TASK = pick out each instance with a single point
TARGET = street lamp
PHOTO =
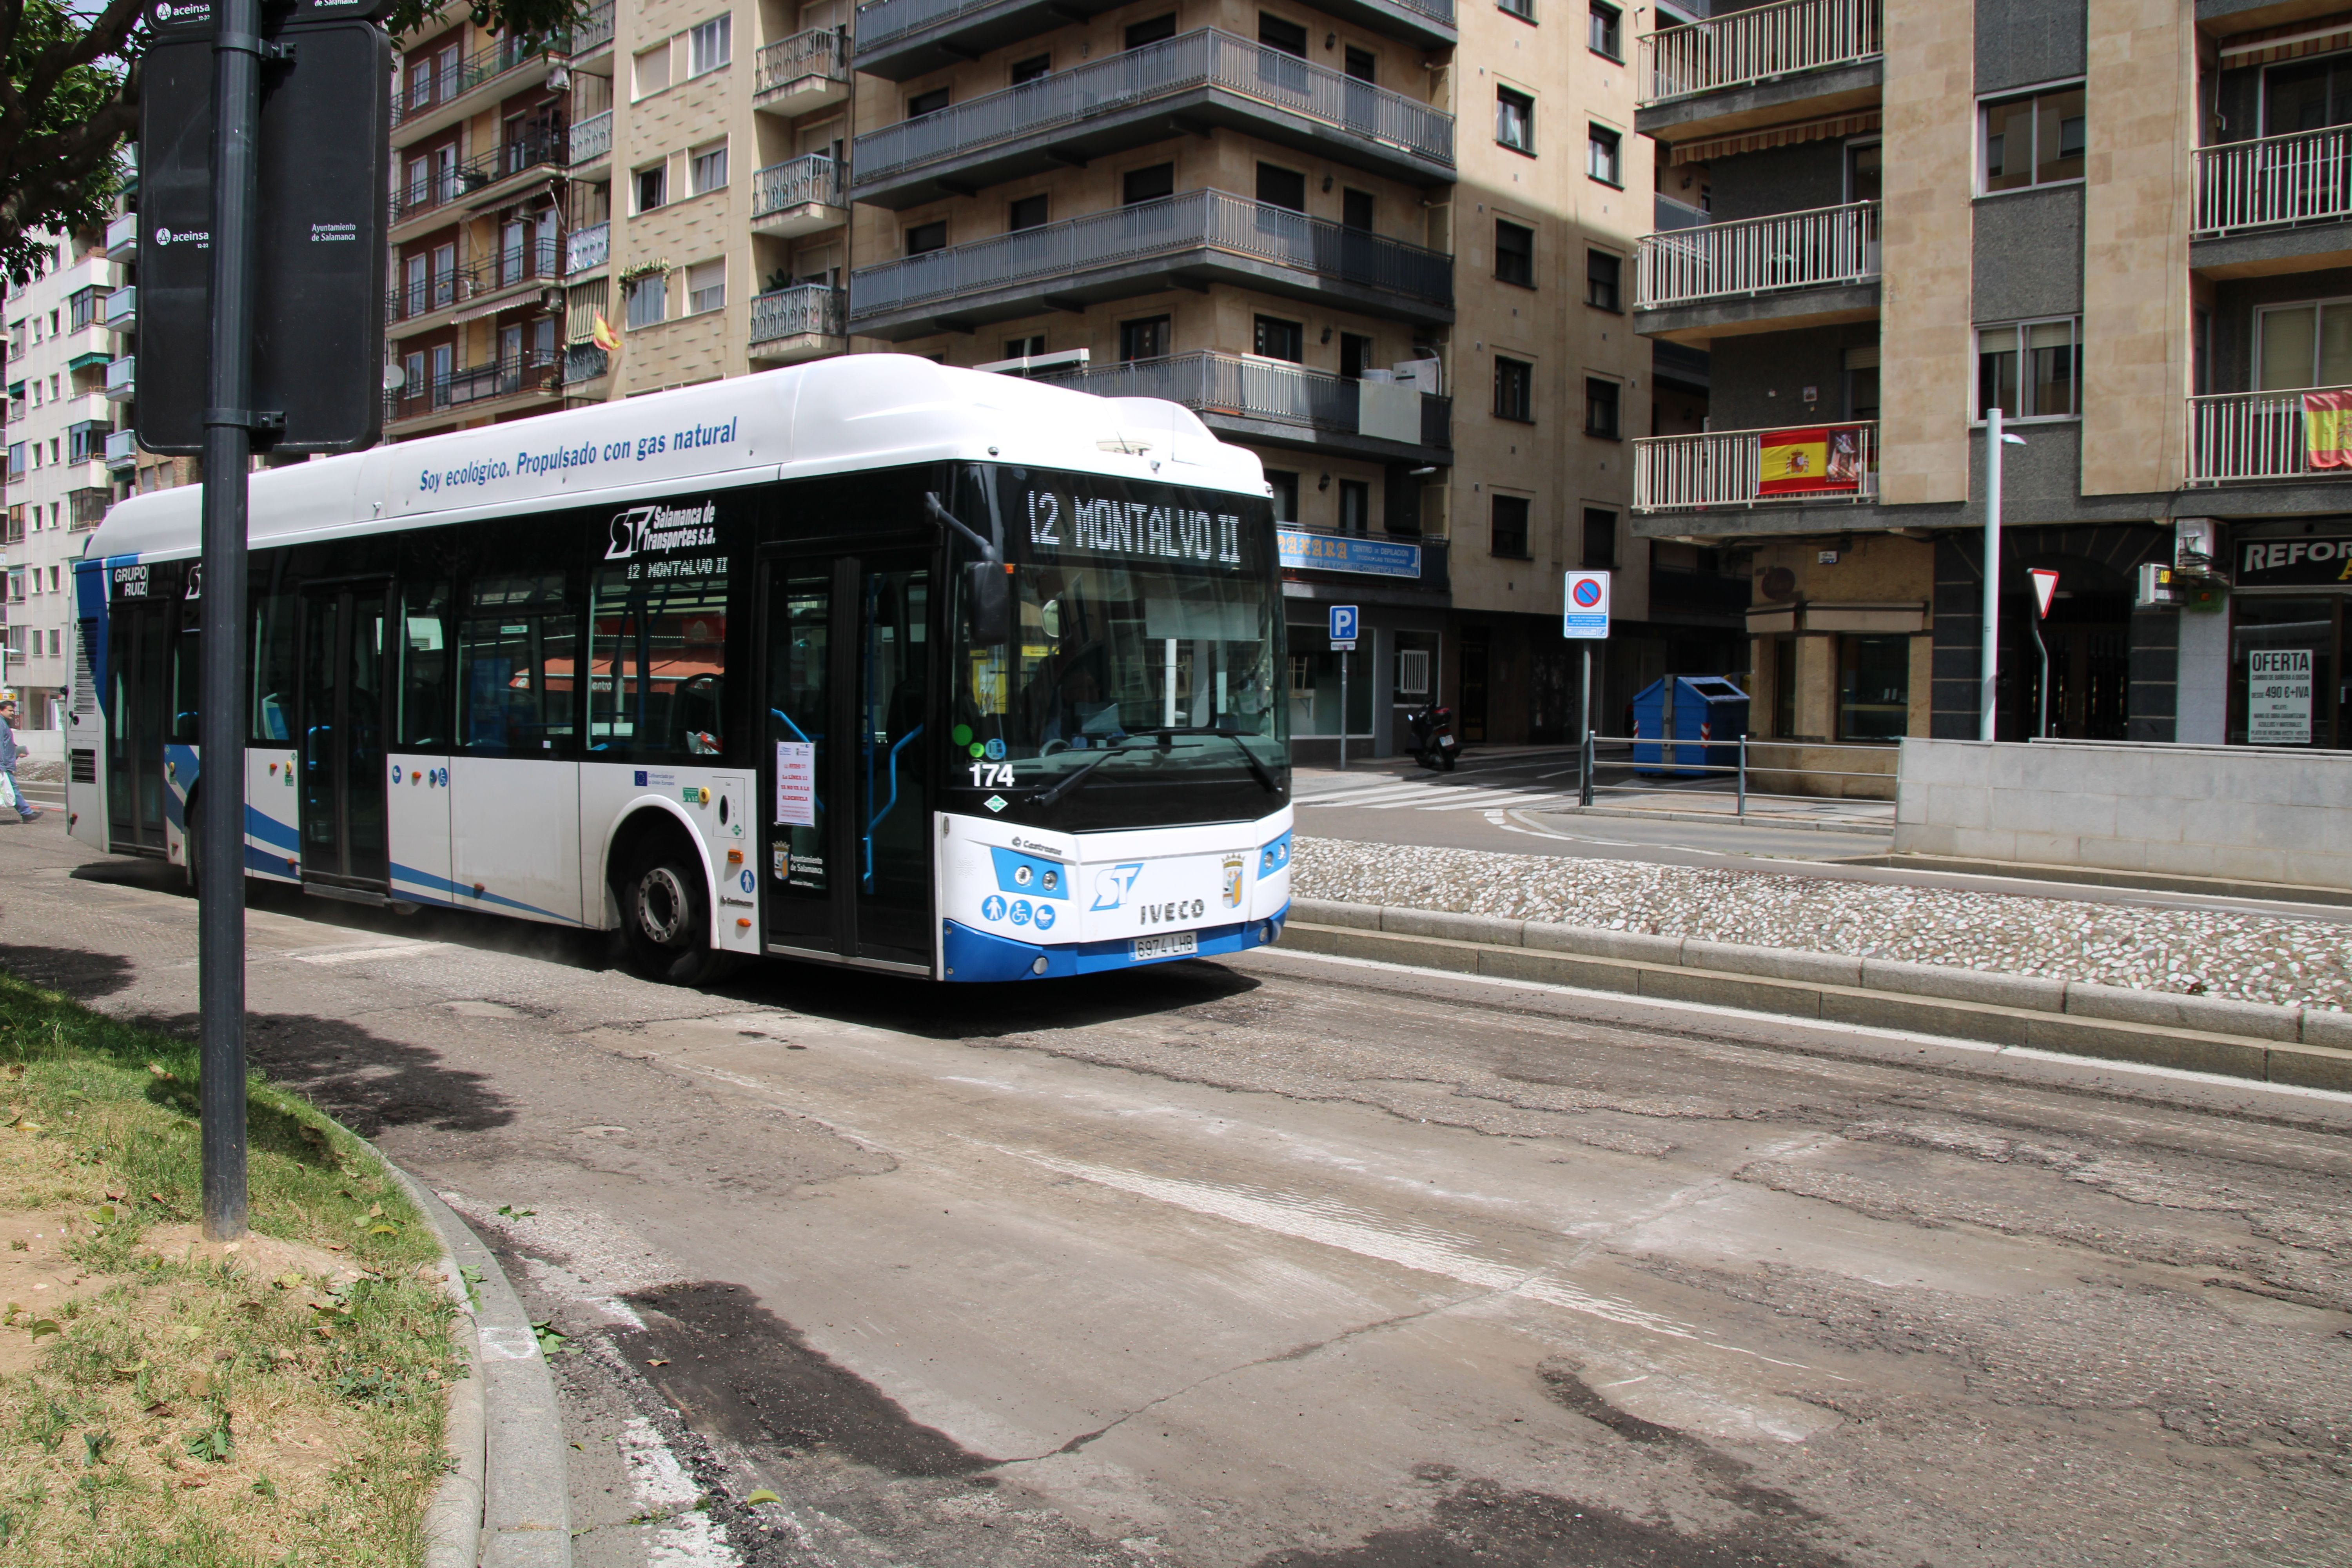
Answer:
(1994, 441)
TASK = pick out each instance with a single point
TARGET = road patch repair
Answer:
(285, 1396)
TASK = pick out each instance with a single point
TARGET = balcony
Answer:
(1278, 405)
(121, 380)
(900, 39)
(2237, 436)
(588, 250)
(484, 179)
(122, 238)
(1759, 66)
(1189, 83)
(584, 363)
(2274, 203)
(496, 386)
(1724, 471)
(1760, 275)
(592, 34)
(122, 314)
(422, 303)
(804, 321)
(800, 195)
(591, 140)
(87, 508)
(801, 74)
(430, 103)
(1190, 240)
(121, 451)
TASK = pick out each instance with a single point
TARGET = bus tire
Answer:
(665, 918)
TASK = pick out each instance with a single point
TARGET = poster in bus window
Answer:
(2278, 697)
(795, 783)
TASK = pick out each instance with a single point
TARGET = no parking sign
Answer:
(1586, 606)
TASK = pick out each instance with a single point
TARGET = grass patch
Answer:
(164, 1402)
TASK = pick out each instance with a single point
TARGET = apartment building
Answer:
(2124, 223)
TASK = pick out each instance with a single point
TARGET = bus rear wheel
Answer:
(666, 919)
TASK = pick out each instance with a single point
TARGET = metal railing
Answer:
(799, 310)
(122, 237)
(122, 378)
(1193, 221)
(797, 182)
(121, 309)
(437, 188)
(1266, 390)
(593, 31)
(121, 449)
(1725, 469)
(591, 138)
(1209, 57)
(818, 52)
(881, 22)
(1648, 759)
(1826, 247)
(586, 250)
(530, 371)
(1756, 45)
(2274, 180)
(2256, 436)
(533, 260)
(583, 361)
(437, 87)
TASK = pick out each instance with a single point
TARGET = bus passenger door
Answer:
(341, 753)
(137, 724)
(845, 771)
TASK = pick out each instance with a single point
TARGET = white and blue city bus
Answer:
(868, 661)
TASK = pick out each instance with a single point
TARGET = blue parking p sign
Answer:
(1343, 624)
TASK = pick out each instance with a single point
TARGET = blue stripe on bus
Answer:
(269, 830)
(465, 898)
(979, 955)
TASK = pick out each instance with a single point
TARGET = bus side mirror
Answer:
(988, 600)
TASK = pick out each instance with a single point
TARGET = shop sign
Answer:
(1302, 550)
(2268, 562)
(2278, 697)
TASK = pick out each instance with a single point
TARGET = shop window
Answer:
(2034, 138)
(2282, 683)
(1412, 672)
(1873, 687)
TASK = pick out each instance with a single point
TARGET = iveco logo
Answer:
(1160, 914)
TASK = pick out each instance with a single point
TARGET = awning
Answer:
(1828, 130)
(2287, 43)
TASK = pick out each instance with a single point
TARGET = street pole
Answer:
(220, 724)
(1343, 710)
(2042, 718)
(1585, 723)
(1991, 653)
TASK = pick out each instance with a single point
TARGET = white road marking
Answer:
(362, 954)
(689, 1538)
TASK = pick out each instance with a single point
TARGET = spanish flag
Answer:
(606, 338)
(2327, 429)
(1817, 458)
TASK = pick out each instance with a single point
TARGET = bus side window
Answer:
(274, 665)
(518, 660)
(421, 715)
(657, 664)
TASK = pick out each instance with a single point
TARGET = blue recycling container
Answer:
(1684, 723)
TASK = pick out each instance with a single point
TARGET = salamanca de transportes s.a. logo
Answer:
(646, 528)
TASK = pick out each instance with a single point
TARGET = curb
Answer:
(1753, 819)
(507, 1500)
(2310, 1047)
(2122, 881)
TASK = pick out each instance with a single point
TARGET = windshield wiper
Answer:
(1072, 781)
(1258, 769)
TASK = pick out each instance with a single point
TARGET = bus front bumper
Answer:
(977, 955)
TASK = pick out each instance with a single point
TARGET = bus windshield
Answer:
(1126, 671)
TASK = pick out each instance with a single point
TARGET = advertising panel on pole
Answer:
(1587, 606)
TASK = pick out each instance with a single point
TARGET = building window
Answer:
(706, 288)
(2030, 370)
(2035, 139)
(713, 44)
(1873, 687)
(1601, 271)
(653, 186)
(925, 238)
(1525, 10)
(1515, 253)
(1515, 389)
(1601, 408)
(1515, 120)
(1601, 154)
(1028, 347)
(1276, 34)
(1147, 185)
(1356, 210)
(1150, 31)
(1361, 64)
(1600, 540)
(1862, 383)
(648, 302)
(1278, 339)
(931, 103)
(2308, 343)
(1508, 538)
(1281, 187)
(1355, 353)
(1285, 487)
(1602, 34)
(1355, 507)
(1029, 212)
(652, 73)
(708, 167)
(1784, 686)
(1031, 69)
(1144, 339)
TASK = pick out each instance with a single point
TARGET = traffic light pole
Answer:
(237, 50)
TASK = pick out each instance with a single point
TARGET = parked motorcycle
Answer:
(1433, 743)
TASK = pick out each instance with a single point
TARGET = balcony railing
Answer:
(882, 21)
(817, 52)
(587, 249)
(121, 449)
(530, 371)
(1210, 58)
(122, 238)
(593, 31)
(428, 89)
(1757, 44)
(532, 260)
(121, 379)
(584, 362)
(437, 188)
(2238, 435)
(591, 138)
(121, 311)
(1193, 221)
(1814, 250)
(1264, 390)
(812, 177)
(799, 310)
(2274, 180)
(1724, 468)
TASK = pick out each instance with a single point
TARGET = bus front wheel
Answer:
(666, 919)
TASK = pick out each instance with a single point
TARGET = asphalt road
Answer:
(1302, 1262)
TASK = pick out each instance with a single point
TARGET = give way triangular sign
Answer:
(2045, 584)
